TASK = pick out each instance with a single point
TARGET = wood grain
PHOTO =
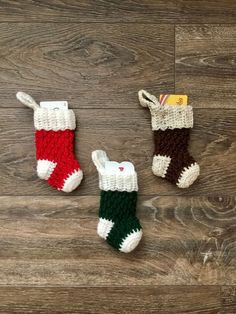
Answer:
(91, 65)
(97, 55)
(53, 242)
(166, 300)
(228, 299)
(205, 65)
(146, 11)
(212, 143)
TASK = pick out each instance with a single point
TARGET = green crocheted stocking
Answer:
(118, 224)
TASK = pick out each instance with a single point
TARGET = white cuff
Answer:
(48, 119)
(54, 119)
(113, 181)
(118, 182)
(170, 117)
(164, 116)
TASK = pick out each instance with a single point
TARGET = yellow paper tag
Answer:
(173, 100)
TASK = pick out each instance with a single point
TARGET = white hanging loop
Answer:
(147, 100)
(27, 100)
(99, 158)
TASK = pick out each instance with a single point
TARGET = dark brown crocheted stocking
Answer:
(171, 127)
(171, 156)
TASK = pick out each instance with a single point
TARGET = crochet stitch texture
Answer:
(171, 127)
(54, 140)
(118, 223)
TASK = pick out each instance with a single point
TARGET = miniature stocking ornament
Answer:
(54, 140)
(171, 127)
(118, 223)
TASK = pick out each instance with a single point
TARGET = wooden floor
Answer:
(97, 55)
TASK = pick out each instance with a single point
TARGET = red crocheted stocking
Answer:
(54, 139)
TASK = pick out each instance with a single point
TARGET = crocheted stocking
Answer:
(117, 221)
(54, 139)
(171, 126)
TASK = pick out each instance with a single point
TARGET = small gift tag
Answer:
(124, 168)
(63, 105)
(173, 100)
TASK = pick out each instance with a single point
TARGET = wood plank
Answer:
(164, 300)
(205, 65)
(146, 11)
(53, 241)
(212, 144)
(90, 65)
(228, 298)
